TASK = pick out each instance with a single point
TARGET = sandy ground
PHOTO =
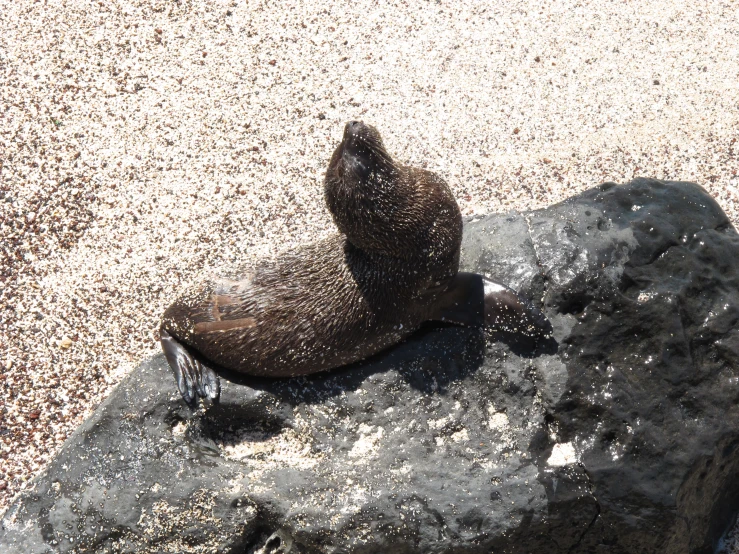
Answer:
(142, 143)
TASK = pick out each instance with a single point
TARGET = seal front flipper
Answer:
(462, 302)
(474, 300)
(506, 310)
(193, 378)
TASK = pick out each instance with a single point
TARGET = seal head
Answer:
(383, 207)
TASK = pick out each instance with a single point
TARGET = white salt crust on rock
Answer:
(143, 143)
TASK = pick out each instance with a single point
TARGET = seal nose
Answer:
(353, 127)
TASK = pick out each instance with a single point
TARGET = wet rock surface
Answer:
(619, 434)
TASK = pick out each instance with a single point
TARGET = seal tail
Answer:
(193, 378)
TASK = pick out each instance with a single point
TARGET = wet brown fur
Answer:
(344, 298)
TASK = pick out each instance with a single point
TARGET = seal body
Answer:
(392, 265)
(335, 301)
(325, 305)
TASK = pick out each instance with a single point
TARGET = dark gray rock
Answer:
(620, 435)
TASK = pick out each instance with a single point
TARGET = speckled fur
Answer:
(343, 298)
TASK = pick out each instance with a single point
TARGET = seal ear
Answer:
(193, 378)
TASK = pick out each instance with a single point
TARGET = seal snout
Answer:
(354, 132)
(360, 153)
(360, 137)
(354, 147)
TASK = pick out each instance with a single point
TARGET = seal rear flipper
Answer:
(193, 378)
(506, 310)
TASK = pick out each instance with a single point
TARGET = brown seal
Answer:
(392, 266)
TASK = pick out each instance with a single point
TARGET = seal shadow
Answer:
(428, 361)
(525, 346)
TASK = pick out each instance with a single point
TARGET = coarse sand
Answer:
(145, 142)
